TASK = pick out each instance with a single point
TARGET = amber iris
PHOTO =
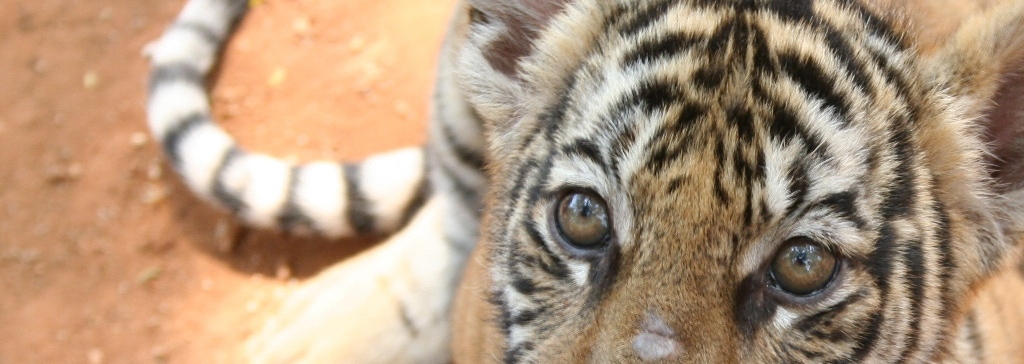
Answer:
(582, 220)
(802, 267)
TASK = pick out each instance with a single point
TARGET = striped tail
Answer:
(333, 199)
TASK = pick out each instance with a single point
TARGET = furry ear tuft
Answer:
(984, 62)
(517, 24)
(982, 68)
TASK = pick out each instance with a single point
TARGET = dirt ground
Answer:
(105, 257)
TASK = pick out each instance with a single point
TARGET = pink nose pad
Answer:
(656, 340)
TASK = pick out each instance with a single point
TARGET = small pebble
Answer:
(160, 353)
(154, 194)
(90, 80)
(302, 26)
(39, 66)
(95, 356)
(106, 13)
(139, 139)
(154, 171)
(148, 275)
(277, 77)
(56, 173)
(74, 170)
(356, 43)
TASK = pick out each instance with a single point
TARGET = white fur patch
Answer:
(319, 193)
(389, 182)
(201, 151)
(783, 319)
(262, 183)
(170, 103)
(183, 45)
(656, 340)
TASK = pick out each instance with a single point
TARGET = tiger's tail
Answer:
(376, 195)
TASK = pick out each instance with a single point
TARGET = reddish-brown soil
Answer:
(105, 257)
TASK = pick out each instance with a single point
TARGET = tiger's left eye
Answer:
(802, 267)
(582, 220)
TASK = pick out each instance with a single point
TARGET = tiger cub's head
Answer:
(741, 181)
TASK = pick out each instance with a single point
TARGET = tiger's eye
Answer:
(582, 220)
(802, 267)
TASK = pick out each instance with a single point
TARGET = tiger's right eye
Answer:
(582, 220)
(802, 267)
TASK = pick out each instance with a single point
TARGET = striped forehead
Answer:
(754, 72)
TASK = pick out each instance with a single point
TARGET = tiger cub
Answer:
(744, 182)
(709, 181)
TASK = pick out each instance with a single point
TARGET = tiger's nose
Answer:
(656, 340)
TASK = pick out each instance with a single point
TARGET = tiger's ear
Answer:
(494, 39)
(982, 66)
(506, 29)
(984, 63)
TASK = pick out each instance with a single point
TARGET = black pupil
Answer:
(583, 220)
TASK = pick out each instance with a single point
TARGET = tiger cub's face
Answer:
(735, 181)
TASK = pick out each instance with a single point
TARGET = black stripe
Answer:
(815, 81)
(292, 217)
(719, 179)
(359, 210)
(795, 11)
(900, 199)
(881, 27)
(504, 317)
(588, 149)
(892, 75)
(516, 354)
(521, 176)
(947, 265)
(173, 73)
(463, 153)
(469, 195)
(913, 256)
(879, 266)
(174, 136)
(672, 142)
(845, 204)
(633, 25)
(822, 325)
(423, 192)
(783, 124)
(549, 262)
(798, 185)
(622, 145)
(524, 317)
(856, 70)
(652, 50)
(220, 191)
